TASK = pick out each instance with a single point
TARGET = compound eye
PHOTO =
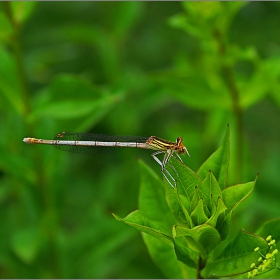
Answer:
(179, 141)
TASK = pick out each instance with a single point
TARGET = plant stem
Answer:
(201, 265)
(237, 111)
(25, 90)
(15, 42)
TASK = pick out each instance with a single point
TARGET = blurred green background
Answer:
(126, 68)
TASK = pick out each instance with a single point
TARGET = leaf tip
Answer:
(257, 176)
(116, 216)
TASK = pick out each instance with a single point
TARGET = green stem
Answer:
(237, 111)
(201, 265)
(25, 90)
(15, 43)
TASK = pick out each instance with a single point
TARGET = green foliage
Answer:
(138, 68)
(202, 212)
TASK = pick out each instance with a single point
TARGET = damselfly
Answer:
(84, 143)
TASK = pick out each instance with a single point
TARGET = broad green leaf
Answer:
(220, 211)
(202, 239)
(152, 202)
(234, 195)
(198, 215)
(184, 252)
(234, 258)
(124, 17)
(187, 182)
(165, 258)
(67, 86)
(152, 199)
(208, 237)
(174, 205)
(204, 11)
(210, 191)
(187, 179)
(223, 224)
(180, 21)
(70, 109)
(138, 220)
(22, 10)
(195, 199)
(184, 203)
(254, 89)
(70, 97)
(207, 17)
(25, 244)
(184, 87)
(271, 227)
(218, 162)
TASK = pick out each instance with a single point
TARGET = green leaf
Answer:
(152, 199)
(165, 258)
(204, 12)
(179, 198)
(70, 97)
(184, 204)
(210, 191)
(271, 227)
(124, 17)
(187, 180)
(25, 244)
(71, 87)
(184, 253)
(22, 10)
(234, 195)
(218, 162)
(212, 16)
(70, 109)
(223, 224)
(174, 203)
(234, 258)
(220, 212)
(180, 21)
(195, 199)
(198, 215)
(205, 98)
(138, 220)
(254, 89)
(202, 239)
(264, 80)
